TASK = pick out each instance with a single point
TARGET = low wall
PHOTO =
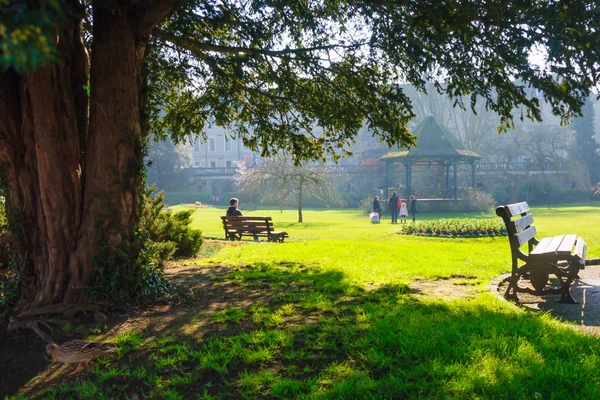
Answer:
(438, 205)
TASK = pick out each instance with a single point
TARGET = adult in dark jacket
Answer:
(233, 211)
(377, 205)
(413, 207)
(393, 205)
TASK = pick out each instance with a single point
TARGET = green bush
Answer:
(170, 232)
(121, 279)
(454, 228)
(501, 195)
(478, 200)
(8, 276)
(5, 238)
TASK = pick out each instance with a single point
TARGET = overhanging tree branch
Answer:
(202, 47)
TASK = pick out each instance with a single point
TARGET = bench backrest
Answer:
(519, 223)
(248, 224)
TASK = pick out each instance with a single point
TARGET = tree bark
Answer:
(42, 114)
(73, 182)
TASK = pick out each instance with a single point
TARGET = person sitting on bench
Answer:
(233, 211)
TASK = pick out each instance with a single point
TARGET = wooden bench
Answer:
(562, 255)
(236, 227)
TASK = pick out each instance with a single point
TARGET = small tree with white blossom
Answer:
(278, 180)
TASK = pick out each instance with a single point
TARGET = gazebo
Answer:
(435, 145)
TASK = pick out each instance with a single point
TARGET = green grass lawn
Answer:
(329, 314)
(344, 240)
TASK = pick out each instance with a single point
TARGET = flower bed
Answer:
(463, 228)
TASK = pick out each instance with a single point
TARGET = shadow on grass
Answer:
(291, 331)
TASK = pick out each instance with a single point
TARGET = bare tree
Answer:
(429, 102)
(278, 180)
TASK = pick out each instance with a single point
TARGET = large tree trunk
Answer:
(44, 115)
(73, 184)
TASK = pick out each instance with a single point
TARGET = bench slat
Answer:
(526, 235)
(580, 249)
(246, 223)
(566, 245)
(522, 223)
(541, 247)
(553, 245)
(517, 209)
(245, 218)
(550, 246)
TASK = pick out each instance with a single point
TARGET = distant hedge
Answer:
(175, 198)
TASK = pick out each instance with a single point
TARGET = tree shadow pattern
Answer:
(292, 331)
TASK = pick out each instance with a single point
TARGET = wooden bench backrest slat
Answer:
(244, 218)
(580, 249)
(525, 235)
(566, 245)
(517, 209)
(248, 223)
(522, 223)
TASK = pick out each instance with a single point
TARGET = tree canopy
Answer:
(274, 70)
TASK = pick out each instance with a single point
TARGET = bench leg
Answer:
(565, 296)
(235, 236)
(512, 284)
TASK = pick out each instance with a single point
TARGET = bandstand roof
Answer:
(435, 143)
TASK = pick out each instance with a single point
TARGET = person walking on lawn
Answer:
(393, 204)
(413, 207)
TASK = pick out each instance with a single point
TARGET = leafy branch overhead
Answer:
(272, 71)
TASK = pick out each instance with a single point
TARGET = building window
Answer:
(211, 145)
(196, 164)
(196, 147)
(213, 164)
(227, 144)
(228, 163)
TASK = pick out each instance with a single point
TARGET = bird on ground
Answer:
(78, 352)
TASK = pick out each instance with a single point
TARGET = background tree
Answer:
(165, 160)
(278, 180)
(74, 113)
(471, 124)
(586, 147)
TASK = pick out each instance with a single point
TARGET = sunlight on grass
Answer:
(343, 240)
(230, 315)
(329, 314)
